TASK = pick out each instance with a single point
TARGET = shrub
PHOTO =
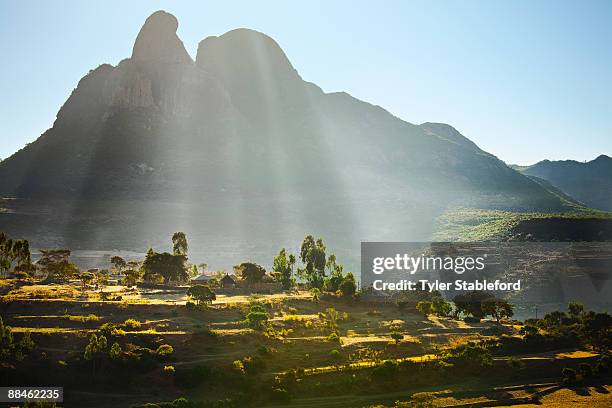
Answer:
(164, 350)
(265, 350)
(131, 324)
(335, 354)
(238, 366)
(397, 336)
(257, 320)
(115, 351)
(169, 370)
(470, 356)
(386, 371)
(425, 307)
(348, 287)
(253, 365)
(333, 337)
(202, 294)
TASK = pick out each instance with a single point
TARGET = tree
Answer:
(101, 278)
(131, 277)
(257, 318)
(497, 308)
(312, 254)
(115, 351)
(250, 272)
(193, 271)
(9, 347)
(334, 270)
(56, 263)
(95, 349)
(555, 318)
(179, 243)
(441, 307)
(596, 330)
(14, 253)
(201, 294)
(471, 303)
(425, 307)
(118, 263)
(348, 287)
(282, 269)
(86, 278)
(316, 294)
(6, 338)
(169, 267)
(575, 310)
(397, 336)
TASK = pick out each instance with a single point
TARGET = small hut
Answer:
(228, 282)
(201, 279)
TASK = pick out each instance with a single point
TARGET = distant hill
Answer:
(589, 182)
(239, 151)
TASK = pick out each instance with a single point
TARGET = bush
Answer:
(335, 354)
(131, 324)
(348, 286)
(334, 338)
(425, 307)
(253, 365)
(257, 320)
(164, 350)
(386, 371)
(469, 356)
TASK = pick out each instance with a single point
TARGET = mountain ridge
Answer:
(246, 150)
(589, 182)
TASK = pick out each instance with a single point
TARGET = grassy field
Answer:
(468, 224)
(295, 352)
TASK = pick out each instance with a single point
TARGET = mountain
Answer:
(239, 151)
(588, 182)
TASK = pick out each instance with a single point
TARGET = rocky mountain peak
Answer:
(157, 40)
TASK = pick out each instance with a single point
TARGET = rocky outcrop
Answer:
(157, 41)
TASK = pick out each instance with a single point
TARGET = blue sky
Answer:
(526, 80)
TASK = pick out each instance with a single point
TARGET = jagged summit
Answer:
(157, 40)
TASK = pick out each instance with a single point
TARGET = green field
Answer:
(217, 357)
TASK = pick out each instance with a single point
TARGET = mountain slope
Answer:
(590, 182)
(236, 145)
